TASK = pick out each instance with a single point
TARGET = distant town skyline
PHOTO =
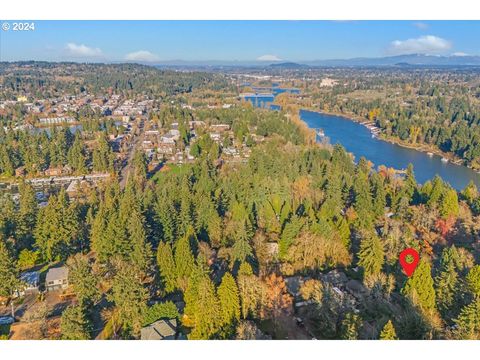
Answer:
(156, 42)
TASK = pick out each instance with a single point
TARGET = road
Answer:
(127, 164)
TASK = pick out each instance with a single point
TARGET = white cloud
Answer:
(141, 55)
(420, 25)
(82, 50)
(428, 44)
(269, 58)
(459, 53)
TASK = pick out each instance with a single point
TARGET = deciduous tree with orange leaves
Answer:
(277, 299)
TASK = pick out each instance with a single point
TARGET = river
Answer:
(357, 139)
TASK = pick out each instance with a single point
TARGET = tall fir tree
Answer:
(473, 281)
(410, 185)
(57, 231)
(446, 283)
(141, 252)
(379, 195)
(184, 259)
(229, 301)
(201, 307)
(74, 324)
(468, 322)
(129, 296)
(350, 326)
(8, 271)
(26, 215)
(242, 250)
(77, 156)
(449, 204)
(83, 280)
(419, 287)
(388, 332)
(371, 255)
(363, 197)
(103, 157)
(166, 266)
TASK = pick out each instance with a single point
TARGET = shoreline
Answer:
(421, 148)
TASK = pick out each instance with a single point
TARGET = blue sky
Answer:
(245, 41)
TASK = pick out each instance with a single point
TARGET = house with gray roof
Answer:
(57, 279)
(163, 329)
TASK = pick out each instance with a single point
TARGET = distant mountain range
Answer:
(399, 60)
(402, 60)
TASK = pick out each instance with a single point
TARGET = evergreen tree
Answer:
(75, 324)
(242, 249)
(333, 192)
(388, 332)
(103, 155)
(141, 251)
(419, 287)
(139, 166)
(371, 255)
(449, 204)
(379, 195)
(26, 215)
(129, 296)
(410, 184)
(289, 233)
(77, 157)
(8, 271)
(447, 283)
(166, 266)
(57, 230)
(83, 280)
(98, 238)
(473, 281)
(59, 144)
(436, 192)
(184, 259)
(166, 217)
(7, 166)
(229, 300)
(7, 217)
(349, 327)
(468, 322)
(470, 193)
(185, 218)
(249, 289)
(363, 197)
(201, 307)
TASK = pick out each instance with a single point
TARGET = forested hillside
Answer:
(223, 239)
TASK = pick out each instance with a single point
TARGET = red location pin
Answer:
(409, 267)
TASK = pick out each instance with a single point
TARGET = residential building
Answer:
(164, 329)
(57, 279)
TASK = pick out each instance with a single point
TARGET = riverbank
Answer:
(428, 149)
(358, 140)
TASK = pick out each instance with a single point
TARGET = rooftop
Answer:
(59, 273)
(160, 330)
